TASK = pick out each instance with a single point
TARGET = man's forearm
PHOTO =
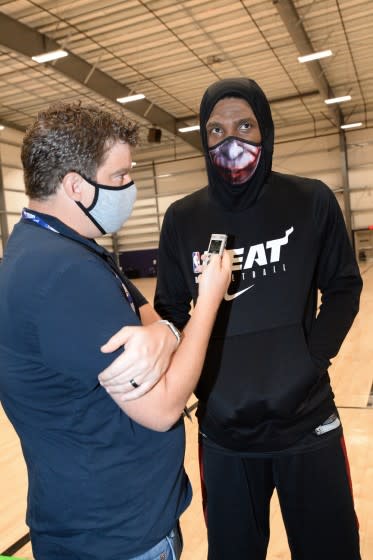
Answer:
(148, 315)
(162, 406)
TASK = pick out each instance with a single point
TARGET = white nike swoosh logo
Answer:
(229, 297)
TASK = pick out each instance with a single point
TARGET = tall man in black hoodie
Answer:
(266, 409)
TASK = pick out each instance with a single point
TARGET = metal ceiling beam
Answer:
(9, 124)
(293, 24)
(272, 102)
(20, 38)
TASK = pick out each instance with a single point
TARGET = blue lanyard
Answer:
(37, 220)
(26, 215)
(125, 290)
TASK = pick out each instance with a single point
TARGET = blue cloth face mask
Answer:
(111, 206)
(235, 159)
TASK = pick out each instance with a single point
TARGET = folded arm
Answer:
(148, 351)
(161, 407)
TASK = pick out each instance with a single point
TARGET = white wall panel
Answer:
(13, 178)
(15, 201)
(318, 158)
(12, 221)
(11, 154)
(180, 176)
(165, 201)
(160, 183)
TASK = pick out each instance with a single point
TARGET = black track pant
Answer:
(314, 490)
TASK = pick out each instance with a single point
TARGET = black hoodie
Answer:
(238, 197)
(265, 383)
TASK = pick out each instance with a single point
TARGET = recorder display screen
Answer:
(215, 246)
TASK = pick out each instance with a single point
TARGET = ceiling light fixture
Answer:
(2, 127)
(352, 125)
(338, 99)
(130, 98)
(189, 128)
(315, 56)
(47, 57)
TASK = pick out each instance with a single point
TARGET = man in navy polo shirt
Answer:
(105, 481)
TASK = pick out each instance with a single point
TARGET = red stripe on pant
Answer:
(344, 450)
(202, 479)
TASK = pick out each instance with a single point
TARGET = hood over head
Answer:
(233, 196)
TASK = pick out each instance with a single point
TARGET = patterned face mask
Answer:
(235, 159)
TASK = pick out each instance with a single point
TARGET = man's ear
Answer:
(73, 183)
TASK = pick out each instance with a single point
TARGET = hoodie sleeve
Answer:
(339, 281)
(172, 297)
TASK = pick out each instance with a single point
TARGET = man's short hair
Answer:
(70, 137)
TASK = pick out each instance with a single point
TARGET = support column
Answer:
(3, 216)
(114, 238)
(155, 183)
(345, 182)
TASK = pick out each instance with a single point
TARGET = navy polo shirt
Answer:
(100, 485)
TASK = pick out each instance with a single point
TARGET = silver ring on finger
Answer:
(134, 384)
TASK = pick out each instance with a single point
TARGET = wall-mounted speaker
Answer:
(154, 135)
